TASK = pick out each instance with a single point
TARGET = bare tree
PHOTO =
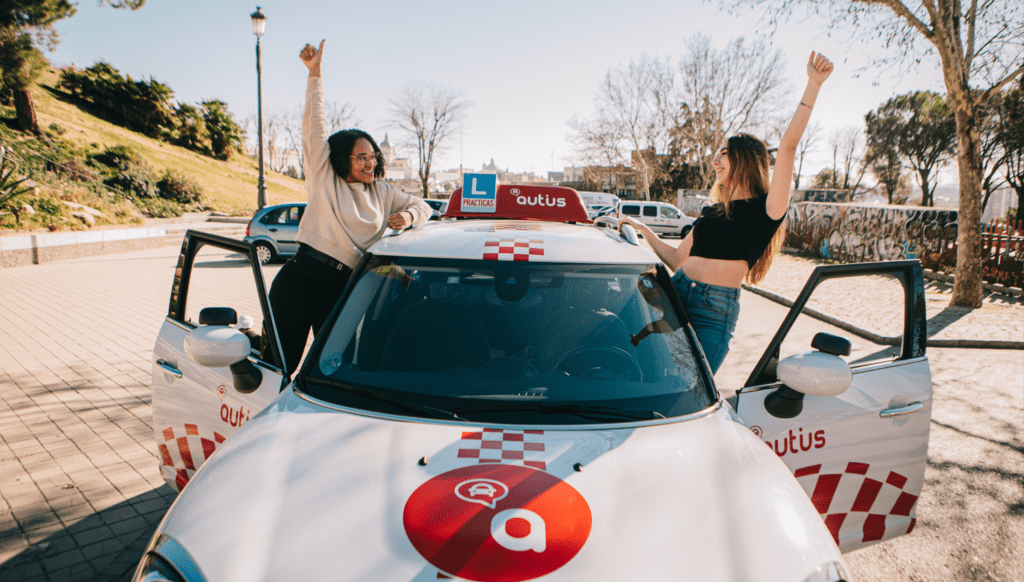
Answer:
(849, 141)
(633, 118)
(734, 89)
(807, 142)
(428, 114)
(981, 50)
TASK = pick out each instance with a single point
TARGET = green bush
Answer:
(120, 157)
(178, 187)
(136, 180)
(160, 208)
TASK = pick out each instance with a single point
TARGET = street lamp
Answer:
(259, 22)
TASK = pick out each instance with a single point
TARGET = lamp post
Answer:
(259, 22)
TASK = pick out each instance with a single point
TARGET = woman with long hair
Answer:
(736, 238)
(349, 209)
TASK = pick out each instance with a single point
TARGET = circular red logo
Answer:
(497, 523)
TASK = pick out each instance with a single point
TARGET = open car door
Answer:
(855, 434)
(208, 376)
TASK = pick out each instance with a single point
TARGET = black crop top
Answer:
(743, 235)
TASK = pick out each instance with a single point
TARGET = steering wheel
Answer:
(601, 363)
(509, 368)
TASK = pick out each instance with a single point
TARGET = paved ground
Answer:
(80, 491)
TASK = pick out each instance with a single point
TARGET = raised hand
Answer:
(311, 56)
(818, 68)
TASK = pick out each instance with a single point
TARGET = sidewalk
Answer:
(997, 324)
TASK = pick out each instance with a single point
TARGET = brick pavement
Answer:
(80, 490)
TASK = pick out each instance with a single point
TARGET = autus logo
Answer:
(500, 523)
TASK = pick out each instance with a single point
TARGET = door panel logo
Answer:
(497, 523)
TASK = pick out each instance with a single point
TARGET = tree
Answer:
(1011, 135)
(925, 130)
(727, 91)
(25, 26)
(633, 118)
(883, 157)
(807, 142)
(225, 134)
(980, 51)
(848, 141)
(428, 115)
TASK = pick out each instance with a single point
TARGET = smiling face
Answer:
(723, 167)
(364, 162)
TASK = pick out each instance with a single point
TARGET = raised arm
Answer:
(818, 69)
(316, 153)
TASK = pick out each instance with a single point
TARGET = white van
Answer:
(661, 217)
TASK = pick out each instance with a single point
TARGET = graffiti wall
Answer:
(852, 233)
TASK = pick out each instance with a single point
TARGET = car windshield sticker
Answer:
(880, 505)
(181, 455)
(508, 247)
(479, 193)
(497, 522)
(493, 445)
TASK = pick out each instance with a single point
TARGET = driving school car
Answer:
(514, 394)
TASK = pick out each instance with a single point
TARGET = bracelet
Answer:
(806, 105)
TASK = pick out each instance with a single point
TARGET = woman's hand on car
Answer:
(400, 220)
(626, 220)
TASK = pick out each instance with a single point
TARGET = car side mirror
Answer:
(814, 373)
(216, 345)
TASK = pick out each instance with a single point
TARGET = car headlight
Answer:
(166, 561)
(830, 572)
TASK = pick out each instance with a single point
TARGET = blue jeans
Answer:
(713, 312)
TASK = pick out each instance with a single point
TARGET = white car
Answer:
(516, 396)
(661, 217)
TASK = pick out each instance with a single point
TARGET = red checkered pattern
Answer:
(878, 503)
(512, 247)
(511, 447)
(183, 455)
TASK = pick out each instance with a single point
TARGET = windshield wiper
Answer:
(380, 397)
(582, 410)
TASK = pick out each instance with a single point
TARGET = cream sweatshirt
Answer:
(342, 219)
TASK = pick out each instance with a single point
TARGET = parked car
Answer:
(598, 211)
(439, 206)
(661, 217)
(272, 231)
(518, 395)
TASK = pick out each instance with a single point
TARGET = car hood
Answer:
(304, 492)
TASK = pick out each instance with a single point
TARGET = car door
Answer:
(284, 227)
(197, 407)
(673, 219)
(860, 455)
(651, 217)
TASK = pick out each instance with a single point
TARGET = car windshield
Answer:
(509, 342)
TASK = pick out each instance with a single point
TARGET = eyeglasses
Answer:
(363, 159)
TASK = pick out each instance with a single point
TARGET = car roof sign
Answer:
(548, 203)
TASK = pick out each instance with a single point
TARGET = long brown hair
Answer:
(749, 162)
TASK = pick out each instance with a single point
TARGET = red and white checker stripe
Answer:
(880, 506)
(183, 455)
(512, 247)
(510, 447)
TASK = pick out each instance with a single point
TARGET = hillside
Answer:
(230, 186)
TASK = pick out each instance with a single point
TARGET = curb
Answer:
(887, 340)
(995, 288)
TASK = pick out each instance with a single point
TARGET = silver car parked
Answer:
(273, 230)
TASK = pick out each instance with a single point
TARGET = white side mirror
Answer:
(815, 374)
(216, 346)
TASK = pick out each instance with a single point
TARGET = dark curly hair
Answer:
(342, 143)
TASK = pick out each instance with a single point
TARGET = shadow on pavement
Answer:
(103, 547)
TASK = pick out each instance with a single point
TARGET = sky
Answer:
(525, 67)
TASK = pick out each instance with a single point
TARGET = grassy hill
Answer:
(229, 187)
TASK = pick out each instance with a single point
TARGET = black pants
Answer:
(302, 295)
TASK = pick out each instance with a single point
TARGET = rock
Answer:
(27, 209)
(85, 217)
(82, 208)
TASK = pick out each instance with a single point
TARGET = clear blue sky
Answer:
(526, 66)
